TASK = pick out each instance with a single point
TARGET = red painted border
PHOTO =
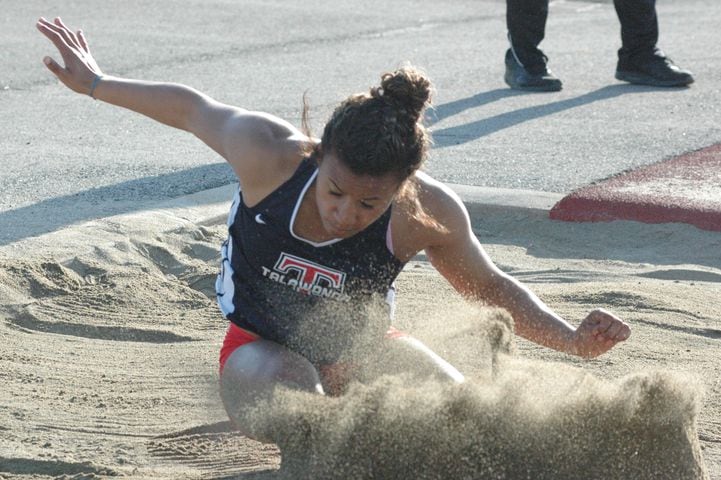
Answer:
(615, 199)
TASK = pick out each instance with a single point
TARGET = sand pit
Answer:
(109, 363)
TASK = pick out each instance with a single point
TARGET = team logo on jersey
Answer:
(307, 277)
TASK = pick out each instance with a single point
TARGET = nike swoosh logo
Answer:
(259, 219)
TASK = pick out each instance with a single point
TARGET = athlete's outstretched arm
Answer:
(247, 140)
(460, 258)
(167, 103)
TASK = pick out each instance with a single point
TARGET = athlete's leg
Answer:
(253, 370)
(402, 353)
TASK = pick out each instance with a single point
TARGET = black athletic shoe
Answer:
(538, 80)
(657, 71)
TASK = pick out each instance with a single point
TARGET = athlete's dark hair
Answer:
(381, 132)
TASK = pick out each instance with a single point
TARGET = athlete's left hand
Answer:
(80, 67)
(598, 333)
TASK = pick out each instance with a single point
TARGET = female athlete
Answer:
(319, 230)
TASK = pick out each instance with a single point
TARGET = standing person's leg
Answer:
(639, 28)
(526, 22)
(525, 62)
(639, 59)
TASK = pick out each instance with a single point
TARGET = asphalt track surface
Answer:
(67, 159)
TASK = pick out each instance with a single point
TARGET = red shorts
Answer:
(237, 337)
(234, 337)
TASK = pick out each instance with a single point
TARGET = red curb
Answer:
(684, 189)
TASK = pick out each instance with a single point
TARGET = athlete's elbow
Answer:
(191, 108)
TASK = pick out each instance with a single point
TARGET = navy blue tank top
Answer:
(317, 299)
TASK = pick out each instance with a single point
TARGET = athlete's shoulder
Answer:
(265, 151)
(428, 214)
(439, 201)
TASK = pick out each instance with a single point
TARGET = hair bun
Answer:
(408, 89)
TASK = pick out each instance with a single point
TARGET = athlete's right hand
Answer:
(80, 67)
(598, 333)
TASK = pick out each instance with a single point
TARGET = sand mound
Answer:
(131, 291)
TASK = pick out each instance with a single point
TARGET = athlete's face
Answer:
(348, 203)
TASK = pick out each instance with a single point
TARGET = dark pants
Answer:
(526, 21)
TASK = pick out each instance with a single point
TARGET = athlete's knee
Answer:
(253, 371)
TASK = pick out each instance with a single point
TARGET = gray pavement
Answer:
(66, 158)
